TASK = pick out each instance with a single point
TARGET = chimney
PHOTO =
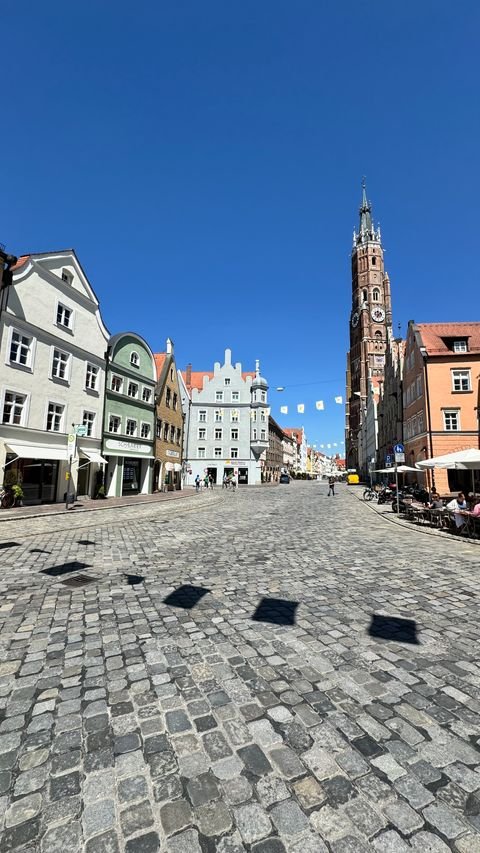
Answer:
(188, 375)
(169, 347)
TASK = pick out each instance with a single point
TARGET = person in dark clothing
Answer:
(331, 486)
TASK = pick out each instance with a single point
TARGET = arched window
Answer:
(378, 335)
(364, 295)
(134, 359)
(376, 294)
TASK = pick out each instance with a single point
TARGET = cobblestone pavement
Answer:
(273, 672)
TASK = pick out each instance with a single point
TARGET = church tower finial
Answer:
(366, 231)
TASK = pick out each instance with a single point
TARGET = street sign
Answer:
(399, 448)
(80, 430)
(71, 444)
(388, 459)
(399, 457)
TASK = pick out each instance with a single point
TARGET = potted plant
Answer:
(18, 494)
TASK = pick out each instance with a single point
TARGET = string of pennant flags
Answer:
(319, 405)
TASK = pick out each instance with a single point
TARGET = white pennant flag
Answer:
(339, 400)
(319, 405)
(284, 410)
(301, 408)
(329, 445)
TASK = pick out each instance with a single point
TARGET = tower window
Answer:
(378, 336)
(364, 295)
(374, 261)
(376, 294)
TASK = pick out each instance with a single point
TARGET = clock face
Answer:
(355, 319)
(378, 314)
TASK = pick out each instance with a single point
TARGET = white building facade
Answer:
(226, 423)
(52, 378)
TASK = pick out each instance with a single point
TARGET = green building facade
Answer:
(129, 416)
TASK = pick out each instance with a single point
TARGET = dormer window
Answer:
(67, 276)
(460, 345)
(134, 359)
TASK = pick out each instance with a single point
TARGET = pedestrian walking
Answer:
(197, 483)
(205, 481)
(225, 482)
(331, 486)
(210, 481)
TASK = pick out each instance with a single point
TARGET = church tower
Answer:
(370, 317)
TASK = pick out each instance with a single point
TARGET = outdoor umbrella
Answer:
(402, 469)
(463, 460)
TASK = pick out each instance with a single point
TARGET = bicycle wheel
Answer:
(368, 495)
(8, 500)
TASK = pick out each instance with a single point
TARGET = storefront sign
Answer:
(173, 453)
(127, 446)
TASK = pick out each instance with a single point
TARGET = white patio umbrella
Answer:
(401, 469)
(462, 460)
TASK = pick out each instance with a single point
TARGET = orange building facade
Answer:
(441, 397)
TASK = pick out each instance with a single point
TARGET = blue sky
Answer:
(205, 161)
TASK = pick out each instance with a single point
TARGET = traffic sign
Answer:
(399, 448)
(80, 430)
(399, 457)
(388, 459)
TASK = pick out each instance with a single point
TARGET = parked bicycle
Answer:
(7, 498)
(369, 495)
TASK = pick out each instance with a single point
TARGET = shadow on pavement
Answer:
(65, 569)
(9, 544)
(186, 596)
(394, 628)
(132, 580)
(85, 542)
(278, 611)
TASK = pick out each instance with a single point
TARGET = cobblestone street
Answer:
(271, 671)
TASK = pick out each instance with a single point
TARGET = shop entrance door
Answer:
(131, 477)
(83, 477)
(243, 476)
(212, 472)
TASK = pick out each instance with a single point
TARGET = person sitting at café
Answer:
(435, 501)
(475, 511)
(459, 508)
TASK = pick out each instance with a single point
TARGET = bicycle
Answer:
(7, 498)
(369, 495)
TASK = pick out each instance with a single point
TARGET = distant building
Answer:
(390, 404)
(298, 435)
(169, 423)
(441, 396)
(226, 422)
(274, 454)
(370, 319)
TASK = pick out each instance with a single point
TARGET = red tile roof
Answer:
(159, 358)
(21, 262)
(433, 337)
(196, 378)
(295, 432)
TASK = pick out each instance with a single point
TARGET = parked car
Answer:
(284, 478)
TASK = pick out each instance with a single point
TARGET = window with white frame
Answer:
(451, 420)
(134, 359)
(234, 416)
(253, 414)
(263, 415)
(217, 453)
(201, 453)
(234, 434)
(234, 452)
(235, 396)
(461, 380)
(114, 423)
(218, 415)
(460, 346)
(64, 316)
(91, 377)
(132, 389)
(264, 397)
(67, 276)
(218, 433)
(131, 428)
(219, 396)
(21, 349)
(55, 417)
(172, 434)
(14, 408)
(88, 421)
(146, 395)
(376, 294)
(202, 416)
(145, 431)
(263, 435)
(202, 434)
(227, 380)
(254, 434)
(60, 364)
(117, 384)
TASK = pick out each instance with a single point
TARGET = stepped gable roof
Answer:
(436, 336)
(196, 378)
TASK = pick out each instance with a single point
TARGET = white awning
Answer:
(177, 466)
(39, 451)
(93, 456)
(169, 466)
